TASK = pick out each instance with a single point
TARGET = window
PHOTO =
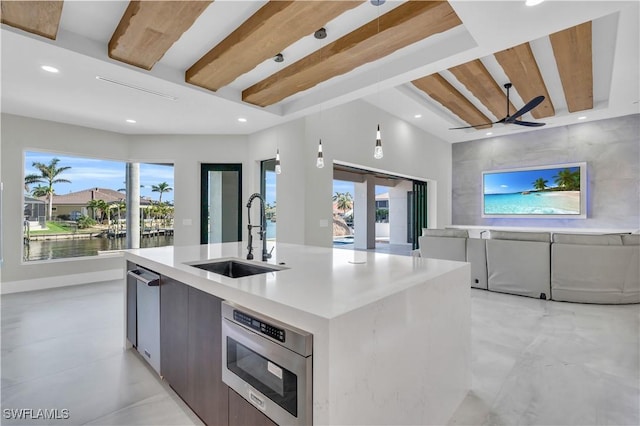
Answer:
(75, 206)
(268, 192)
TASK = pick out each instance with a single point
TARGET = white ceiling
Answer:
(75, 96)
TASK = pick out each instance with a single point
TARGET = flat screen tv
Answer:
(556, 191)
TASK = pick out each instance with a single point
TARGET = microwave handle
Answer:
(256, 400)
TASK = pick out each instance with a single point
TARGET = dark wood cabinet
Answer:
(174, 304)
(242, 413)
(190, 347)
(204, 366)
(132, 310)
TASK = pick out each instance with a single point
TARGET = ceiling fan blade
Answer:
(528, 123)
(472, 127)
(525, 109)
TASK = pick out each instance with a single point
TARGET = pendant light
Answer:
(320, 159)
(278, 168)
(377, 152)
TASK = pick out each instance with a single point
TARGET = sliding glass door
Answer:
(418, 208)
(220, 203)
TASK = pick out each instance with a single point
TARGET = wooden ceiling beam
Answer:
(444, 93)
(522, 69)
(408, 23)
(149, 28)
(572, 50)
(37, 17)
(476, 78)
(277, 25)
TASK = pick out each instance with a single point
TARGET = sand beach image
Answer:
(553, 191)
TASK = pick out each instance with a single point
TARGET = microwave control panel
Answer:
(259, 326)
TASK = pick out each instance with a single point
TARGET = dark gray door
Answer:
(220, 203)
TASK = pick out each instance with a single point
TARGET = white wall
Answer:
(187, 153)
(348, 135)
(611, 149)
(303, 191)
(383, 230)
(398, 212)
(21, 134)
(290, 184)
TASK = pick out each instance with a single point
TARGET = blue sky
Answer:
(518, 181)
(88, 173)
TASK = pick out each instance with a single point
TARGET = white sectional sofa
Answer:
(455, 244)
(595, 268)
(580, 268)
(519, 263)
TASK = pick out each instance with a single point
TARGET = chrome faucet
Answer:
(263, 228)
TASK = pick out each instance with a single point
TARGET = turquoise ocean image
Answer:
(534, 203)
(547, 191)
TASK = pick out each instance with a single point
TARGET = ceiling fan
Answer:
(513, 119)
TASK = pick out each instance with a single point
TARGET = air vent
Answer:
(142, 89)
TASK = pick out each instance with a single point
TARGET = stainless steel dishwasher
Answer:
(148, 315)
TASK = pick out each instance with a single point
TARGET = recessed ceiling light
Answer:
(49, 68)
(417, 116)
(130, 121)
(582, 118)
(533, 2)
(489, 133)
(242, 120)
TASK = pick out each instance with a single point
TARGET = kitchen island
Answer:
(391, 334)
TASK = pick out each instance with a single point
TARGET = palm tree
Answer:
(30, 180)
(98, 205)
(540, 184)
(344, 201)
(565, 179)
(49, 175)
(40, 191)
(161, 188)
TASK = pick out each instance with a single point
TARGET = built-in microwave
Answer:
(268, 363)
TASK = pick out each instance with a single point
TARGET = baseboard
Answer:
(60, 281)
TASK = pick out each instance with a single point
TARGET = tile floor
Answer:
(533, 362)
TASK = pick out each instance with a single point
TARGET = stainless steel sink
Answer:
(234, 268)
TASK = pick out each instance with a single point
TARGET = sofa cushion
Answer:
(631, 239)
(519, 267)
(544, 237)
(443, 248)
(456, 233)
(595, 273)
(592, 240)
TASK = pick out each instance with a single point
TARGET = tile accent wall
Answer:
(610, 147)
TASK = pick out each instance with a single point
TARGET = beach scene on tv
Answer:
(549, 191)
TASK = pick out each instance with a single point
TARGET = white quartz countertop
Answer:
(320, 281)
